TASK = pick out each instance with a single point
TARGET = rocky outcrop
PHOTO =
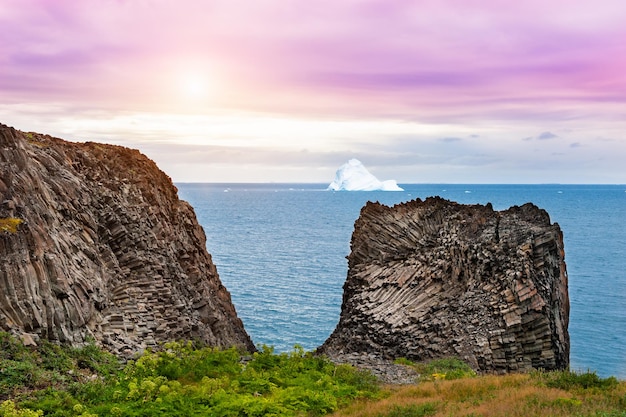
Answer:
(432, 279)
(101, 247)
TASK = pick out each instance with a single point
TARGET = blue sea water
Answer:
(280, 250)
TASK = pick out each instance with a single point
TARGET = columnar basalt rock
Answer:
(432, 279)
(104, 249)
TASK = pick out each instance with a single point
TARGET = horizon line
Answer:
(399, 183)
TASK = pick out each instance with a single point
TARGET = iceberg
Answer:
(353, 176)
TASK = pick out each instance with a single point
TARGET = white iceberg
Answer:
(353, 176)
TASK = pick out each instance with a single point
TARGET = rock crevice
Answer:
(432, 279)
(105, 250)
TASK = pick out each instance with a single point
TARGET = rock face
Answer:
(101, 247)
(432, 279)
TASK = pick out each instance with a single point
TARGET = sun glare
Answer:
(194, 86)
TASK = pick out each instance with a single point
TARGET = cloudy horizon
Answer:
(269, 91)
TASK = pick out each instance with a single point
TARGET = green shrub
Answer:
(364, 383)
(94, 359)
(17, 376)
(13, 348)
(181, 361)
(446, 368)
(8, 409)
(404, 361)
(53, 402)
(54, 357)
(569, 380)
(25, 369)
(17, 373)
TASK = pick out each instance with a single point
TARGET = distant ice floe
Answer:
(353, 176)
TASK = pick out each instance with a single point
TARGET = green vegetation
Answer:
(8, 409)
(25, 370)
(10, 224)
(33, 139)
(571, 381)
(183, 380)
(446, 369)
(178, 380)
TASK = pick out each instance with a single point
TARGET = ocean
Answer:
(280, 250)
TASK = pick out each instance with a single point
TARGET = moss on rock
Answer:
(10, 224)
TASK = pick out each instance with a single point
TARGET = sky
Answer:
(440, 91)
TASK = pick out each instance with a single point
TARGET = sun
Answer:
(194, 86)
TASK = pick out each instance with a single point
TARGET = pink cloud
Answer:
(440, 60)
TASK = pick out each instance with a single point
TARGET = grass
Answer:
(186, 380)
(540, 394)
(10, 224)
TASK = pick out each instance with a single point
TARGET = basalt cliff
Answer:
(432, 279)
(95, 244)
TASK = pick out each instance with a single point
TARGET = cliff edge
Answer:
(432, 279)
(95, 244)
